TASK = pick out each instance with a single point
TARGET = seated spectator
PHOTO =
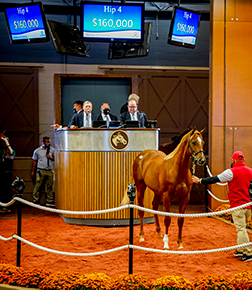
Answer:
(134, 115)
(105, 114)
(124, 108)
(85, 118)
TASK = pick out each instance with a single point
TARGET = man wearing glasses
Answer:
(134, 115)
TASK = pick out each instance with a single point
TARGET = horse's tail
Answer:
(125, 199)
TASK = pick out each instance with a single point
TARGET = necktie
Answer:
(107, 120)
(133, 117)
(87, 120)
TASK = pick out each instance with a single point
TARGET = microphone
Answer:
(47, 152)
(88, 111)
(141, 119)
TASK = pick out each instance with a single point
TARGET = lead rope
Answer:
(193, 167)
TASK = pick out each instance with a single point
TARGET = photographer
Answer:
(43, 158)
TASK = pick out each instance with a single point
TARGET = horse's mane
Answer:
(184, 139)
(167, 148)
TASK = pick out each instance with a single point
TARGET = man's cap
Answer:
(238, 155)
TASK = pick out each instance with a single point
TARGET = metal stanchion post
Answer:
(19, 186)
(206, 193)
(131, 194)
(19, 228)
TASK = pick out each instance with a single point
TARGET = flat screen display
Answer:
(184, 27)
(27, 23)
(66, 39)
(107, 21)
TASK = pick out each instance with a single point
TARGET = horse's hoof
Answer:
(166, 249)
(180, 247)
(142, 239)
(160, 235)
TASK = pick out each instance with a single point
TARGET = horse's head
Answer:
(4, 142)
(119, 139)
(195, 145)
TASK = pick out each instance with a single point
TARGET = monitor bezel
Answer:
(76, 49)
(151, 124)
(28, 40)
(101, 39)
(99, 124)
(178, 43)
(131, 124)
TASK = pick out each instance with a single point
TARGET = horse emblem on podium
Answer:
(119, 140)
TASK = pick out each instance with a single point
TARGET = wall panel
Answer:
(230, 85)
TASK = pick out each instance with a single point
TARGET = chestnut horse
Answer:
(168, 176)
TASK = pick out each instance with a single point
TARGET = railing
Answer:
(130, 246)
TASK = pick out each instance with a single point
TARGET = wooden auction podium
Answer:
(92, 171)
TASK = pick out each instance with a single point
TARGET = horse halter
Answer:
(189, 146)
(193, 154)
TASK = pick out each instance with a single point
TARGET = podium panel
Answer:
(90, 176)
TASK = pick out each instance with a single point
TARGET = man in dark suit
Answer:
(134, 115)
(124, 108)
(77, 108)
(85, 118)
(105, 114)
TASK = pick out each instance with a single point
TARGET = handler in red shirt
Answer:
(238, 178)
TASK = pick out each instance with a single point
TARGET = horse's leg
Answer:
(182, 207)
(167, 221)
(140, 186)
(155, 204)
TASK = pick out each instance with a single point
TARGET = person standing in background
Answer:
(43, 158)
(7, 155)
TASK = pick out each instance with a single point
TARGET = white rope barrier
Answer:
(61, 252)
(63, 211)
(222, 184)
(132, 206)
(189, 252)
(191, 215)
(210, 174)
(221, 200)
(123, 248)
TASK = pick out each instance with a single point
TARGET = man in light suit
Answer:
(105, 114)
(85, 118)
(134, 115)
